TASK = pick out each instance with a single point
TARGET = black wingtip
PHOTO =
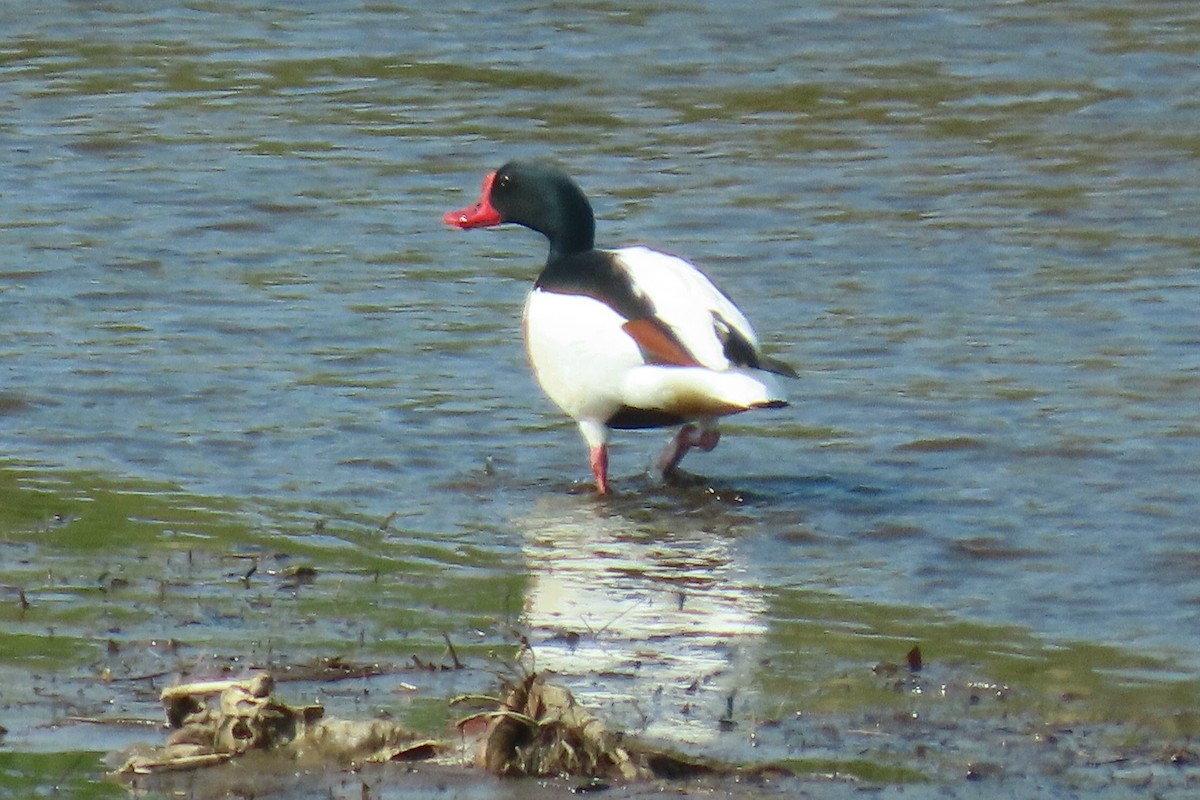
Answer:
(777, 367)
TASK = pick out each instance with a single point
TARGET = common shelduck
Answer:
(628, 338)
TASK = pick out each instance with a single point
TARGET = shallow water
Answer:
(971, 228)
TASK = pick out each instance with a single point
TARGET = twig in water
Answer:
(453, 654)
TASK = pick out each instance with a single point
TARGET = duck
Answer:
(629, 338)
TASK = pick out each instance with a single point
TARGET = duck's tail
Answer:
(698, 392)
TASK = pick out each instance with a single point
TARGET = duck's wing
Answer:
(676, 296)
(605, 277)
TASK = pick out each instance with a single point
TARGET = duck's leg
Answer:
(676, 449)
(599, 457)
(705, 436)
(709, 436)
(596, 436)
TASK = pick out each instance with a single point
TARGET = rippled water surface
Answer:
(973, 230)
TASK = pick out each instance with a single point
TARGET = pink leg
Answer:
(689, 436)
(676, 449)
(708, 439)
(599, 456)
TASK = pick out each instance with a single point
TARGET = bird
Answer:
(628, 338)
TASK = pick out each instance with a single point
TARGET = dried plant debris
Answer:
(247, 717)
(540, 731)
(537, 730)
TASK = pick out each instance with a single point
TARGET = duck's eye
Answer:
(502, 182)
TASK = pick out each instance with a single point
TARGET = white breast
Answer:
(579, 352)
